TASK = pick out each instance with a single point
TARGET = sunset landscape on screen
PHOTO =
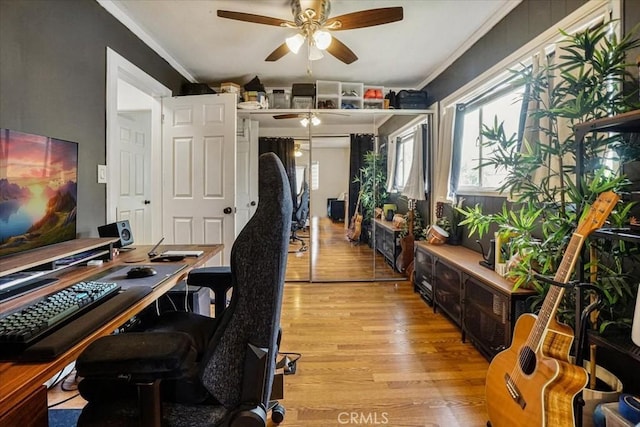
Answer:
(38, 191)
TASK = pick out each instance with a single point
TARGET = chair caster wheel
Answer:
(277, 414)
(250, 417)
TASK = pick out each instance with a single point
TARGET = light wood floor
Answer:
(330, 257)
(373, 353)
(377, 350)
(373, 350)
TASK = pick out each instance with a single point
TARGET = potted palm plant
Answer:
(373, 190)
(587, 82)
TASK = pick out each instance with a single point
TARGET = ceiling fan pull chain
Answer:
(308, 56)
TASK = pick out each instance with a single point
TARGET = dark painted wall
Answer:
(53, 81)
(53, 72)
(528, 20)
(631, 14)
(525, 22)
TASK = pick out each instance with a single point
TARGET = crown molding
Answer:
(477, 35)
(146, 38)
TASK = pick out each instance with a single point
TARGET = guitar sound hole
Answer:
(527, 360)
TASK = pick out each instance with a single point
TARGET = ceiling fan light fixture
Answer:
(314, 120)
(315, 53)
(295, 42)
(322, 39)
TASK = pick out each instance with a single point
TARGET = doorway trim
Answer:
(120, 68)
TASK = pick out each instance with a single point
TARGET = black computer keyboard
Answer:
(29, 324)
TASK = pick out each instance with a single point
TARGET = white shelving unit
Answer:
(342, 95)
(369, 102)
(327, 91)
(351, 95)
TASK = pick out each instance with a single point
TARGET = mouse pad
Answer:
(119, 275)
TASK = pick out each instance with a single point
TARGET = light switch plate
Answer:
(102, 174)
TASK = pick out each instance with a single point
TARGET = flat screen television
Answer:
(38, 191)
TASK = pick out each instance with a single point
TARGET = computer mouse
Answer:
(137, 272)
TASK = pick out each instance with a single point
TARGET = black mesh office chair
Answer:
(194, 370)
(300, 217)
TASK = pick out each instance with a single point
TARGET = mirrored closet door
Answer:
(329, 157)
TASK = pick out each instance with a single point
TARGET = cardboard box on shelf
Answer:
(229, 87)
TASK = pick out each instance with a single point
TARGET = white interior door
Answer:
(134, 194)
(131, 89)
(199, 158)
(246, 172)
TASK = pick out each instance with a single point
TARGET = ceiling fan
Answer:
(305, 118)
(315, 26)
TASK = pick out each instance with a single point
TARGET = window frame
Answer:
(402, 156)
(503, 88)
(408, 130)
(582, 17)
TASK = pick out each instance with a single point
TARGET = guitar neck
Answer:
(411, 216)
(555, 294)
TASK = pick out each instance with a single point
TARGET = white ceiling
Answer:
(405, 54)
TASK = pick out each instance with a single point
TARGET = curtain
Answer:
(442, 158)
(414, 188)
(360, 145)
(454, 174)
(533, 134)
(392, 153)
(283, 148)
(426, 156)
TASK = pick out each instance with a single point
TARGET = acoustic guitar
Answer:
(355, 227)
(533, 383)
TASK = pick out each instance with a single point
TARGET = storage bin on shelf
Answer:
(279, 99)
(327, 94)
(351, 95)
(373, 97)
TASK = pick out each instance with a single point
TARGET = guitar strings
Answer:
(536, 335)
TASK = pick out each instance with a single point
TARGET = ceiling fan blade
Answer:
(286, 116)
(341, 51)
(280, 51)
(257, 19)
(365, 18)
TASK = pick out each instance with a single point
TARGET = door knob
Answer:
(253, 203)
(227, 210)
(147, 202)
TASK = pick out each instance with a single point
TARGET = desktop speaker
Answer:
(120, 229)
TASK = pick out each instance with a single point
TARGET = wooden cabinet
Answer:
(490, 315)
(387, 241)
(423, 273)
(448, 289)
(481, 302)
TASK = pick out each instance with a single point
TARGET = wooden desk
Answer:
(22, 395)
